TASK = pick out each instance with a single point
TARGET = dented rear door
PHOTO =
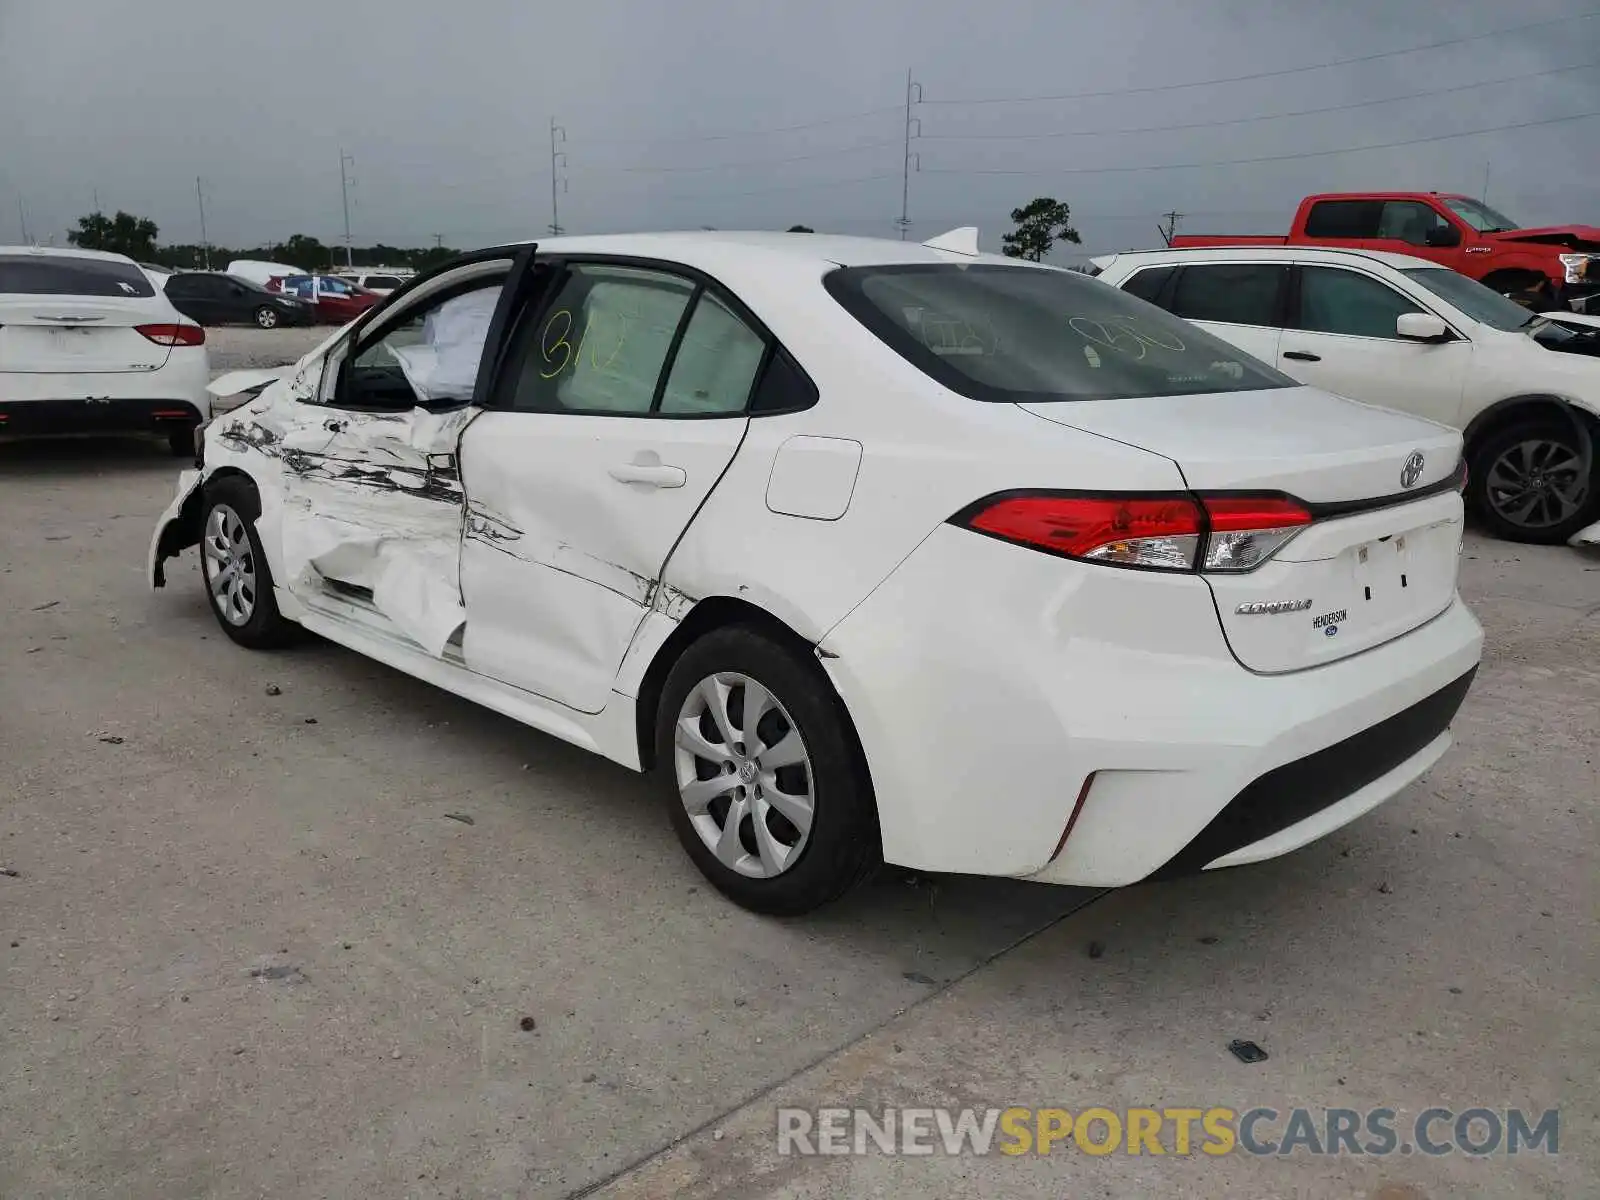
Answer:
(622, 401)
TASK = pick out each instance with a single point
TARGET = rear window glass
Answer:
(1147, 284)
(1018, 334)
(381, 281)
(1344, 219)
(61, 275)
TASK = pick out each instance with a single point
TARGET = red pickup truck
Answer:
(1453, 231)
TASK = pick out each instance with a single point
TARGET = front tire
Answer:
(1527, 483)
(766, 786)
(267, 317)
(237, 579)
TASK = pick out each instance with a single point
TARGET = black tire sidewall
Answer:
(844, 844)
(266, 627)
(1491, 448)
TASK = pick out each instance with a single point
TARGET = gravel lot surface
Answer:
(247, 950)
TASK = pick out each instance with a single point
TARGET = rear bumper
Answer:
(43, 418)
(989, 684)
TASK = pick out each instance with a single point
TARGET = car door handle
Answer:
(655, 475)
(1302, 356)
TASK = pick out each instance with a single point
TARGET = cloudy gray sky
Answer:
(682, 113)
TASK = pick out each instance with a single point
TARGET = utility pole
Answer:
(438, 241)
(1486, 183)
(344, 194)
(22, 216)
(1171, 227)
(913, 89)
(558, 160)
(96, 199)
(205, 244)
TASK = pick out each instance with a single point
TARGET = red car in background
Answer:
(337, 301)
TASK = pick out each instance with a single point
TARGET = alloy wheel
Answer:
(266, 318)
(1536, 483)
(228, 561)
(744, 775)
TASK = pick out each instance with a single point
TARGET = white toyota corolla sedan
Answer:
(874, 551)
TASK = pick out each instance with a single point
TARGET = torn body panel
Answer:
(375, 502)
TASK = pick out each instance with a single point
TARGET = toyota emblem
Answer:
(1412, 471)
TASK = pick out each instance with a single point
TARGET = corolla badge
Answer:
(1412, 471)
(1272, 607)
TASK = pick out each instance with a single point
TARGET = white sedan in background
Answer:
(1405, 333)
(871, 550)
(90, 345)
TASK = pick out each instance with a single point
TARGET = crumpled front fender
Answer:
(178, 527)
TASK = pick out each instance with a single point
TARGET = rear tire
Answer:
(237, 579)
(181, 442)
(267, 317)
(805, 820)
(1525, 483)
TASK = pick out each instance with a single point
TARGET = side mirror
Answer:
(1442, 236)
(1421, 327)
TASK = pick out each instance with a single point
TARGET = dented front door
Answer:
(372, 513)
(372, 498)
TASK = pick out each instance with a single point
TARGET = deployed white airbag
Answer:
(444, 365)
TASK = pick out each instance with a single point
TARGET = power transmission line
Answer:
(762, 131)
(1303, 112)
(1276, 74)
(750, 162)
(1260, 158)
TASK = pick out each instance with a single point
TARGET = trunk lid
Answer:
(79, 335)
(1373, 565)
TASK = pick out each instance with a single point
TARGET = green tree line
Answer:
(139, 238)
(1038, 226)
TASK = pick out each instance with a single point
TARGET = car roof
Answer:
(707, 248)
(67, 252)
(1177, 254)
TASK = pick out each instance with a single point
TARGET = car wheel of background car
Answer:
(1527, 483)
(237, 578)
(768, 790)
(267, 317)
(181, 442)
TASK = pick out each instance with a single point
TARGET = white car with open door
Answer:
(90, 345)
(1408, 334)
(872, 550)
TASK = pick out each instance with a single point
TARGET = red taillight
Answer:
(1171, 533)
(1143, 531)
(174, 335)
(1230, 514)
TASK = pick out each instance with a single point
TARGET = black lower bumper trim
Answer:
(44, 417)
(1291, 793)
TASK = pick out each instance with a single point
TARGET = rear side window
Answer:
(62, 275)
(1234, 293)
(381, 281)
(600, 343)
(1017, 334)
(1333, 300)
(1147, 284)
(1344, 219)
(715, 363)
